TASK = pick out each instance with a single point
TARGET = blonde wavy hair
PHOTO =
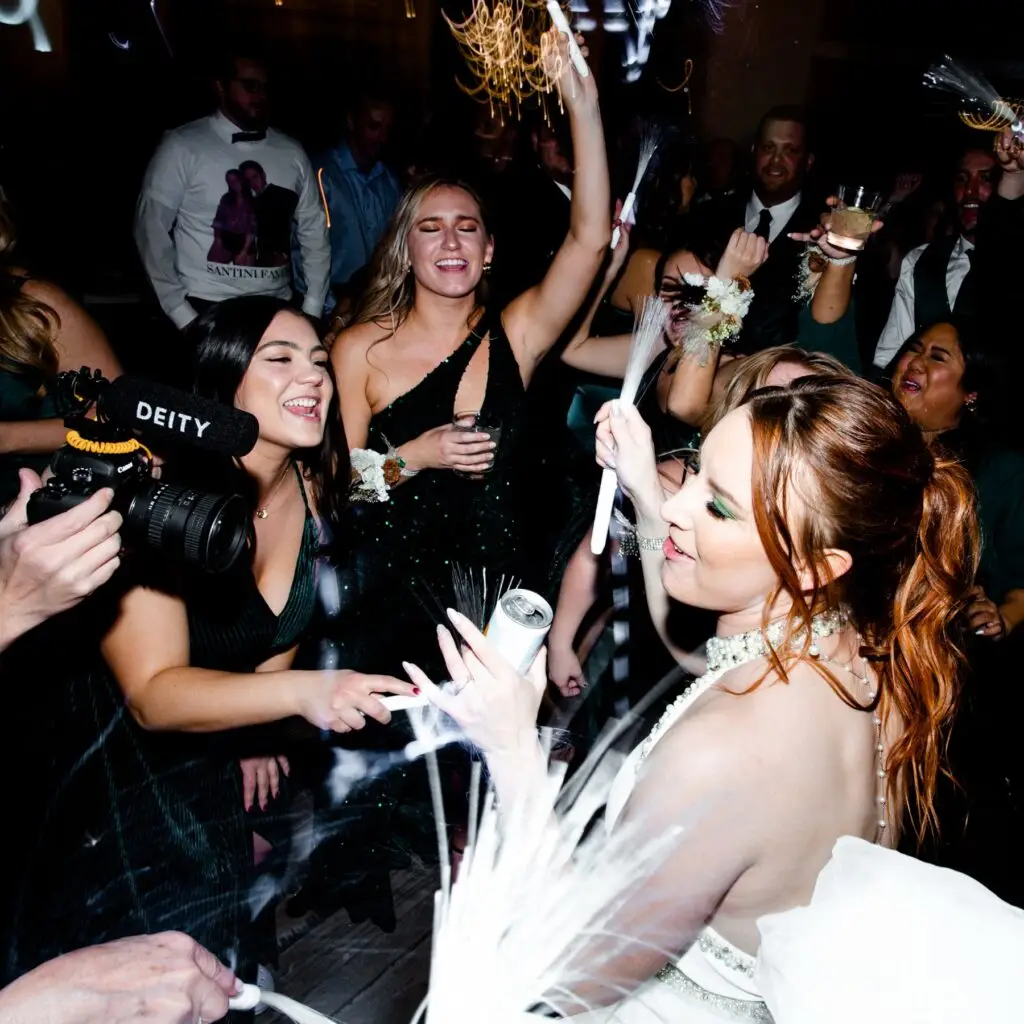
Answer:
(28, 328)
(389, 297)
(752, 372)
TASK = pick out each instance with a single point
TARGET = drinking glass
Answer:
(853, 216)
(472, 423)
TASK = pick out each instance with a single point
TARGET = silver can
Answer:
(519, 627)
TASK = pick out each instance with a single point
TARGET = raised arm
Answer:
(606, 356)
(693, 381)
(536, 319)
(624, 444)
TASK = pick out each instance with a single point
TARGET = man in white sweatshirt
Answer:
(219, 202)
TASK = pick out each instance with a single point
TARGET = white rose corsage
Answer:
(373, 474)
(718, 317)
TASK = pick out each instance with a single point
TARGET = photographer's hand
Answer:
(51, 566)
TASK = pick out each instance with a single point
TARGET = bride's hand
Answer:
(624, 444)
(495, 706)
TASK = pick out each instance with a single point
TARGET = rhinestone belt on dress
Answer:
(734, 1009)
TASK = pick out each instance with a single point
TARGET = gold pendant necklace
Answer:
(263, 511)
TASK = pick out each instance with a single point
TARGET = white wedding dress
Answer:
(886, 938)
(713, 980)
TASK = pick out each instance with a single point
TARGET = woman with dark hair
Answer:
(424, 348)
(148, 831)
(950, 382)
(837, 551)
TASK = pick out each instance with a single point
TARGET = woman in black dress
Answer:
(139, 824)
(426, 347)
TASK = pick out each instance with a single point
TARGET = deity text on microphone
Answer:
(164, 417)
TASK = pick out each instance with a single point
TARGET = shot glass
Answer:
(472, 423)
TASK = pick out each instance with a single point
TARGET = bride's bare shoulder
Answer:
(750, 718)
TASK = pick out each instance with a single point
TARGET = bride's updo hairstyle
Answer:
(869, 485)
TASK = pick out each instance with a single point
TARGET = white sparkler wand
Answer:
(949, 76)
(575, 55)
(250, 997)
(647, 334)
(649, 143)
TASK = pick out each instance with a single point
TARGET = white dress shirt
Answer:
(781, 214)
(199, 235)
(900, 324)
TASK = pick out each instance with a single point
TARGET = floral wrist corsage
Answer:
(373, 474)
(717, 317)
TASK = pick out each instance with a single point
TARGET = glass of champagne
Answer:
(472, 423)
(853, 217)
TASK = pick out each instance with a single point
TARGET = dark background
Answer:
(77, 126)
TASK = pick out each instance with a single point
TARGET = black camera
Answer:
(209, 531)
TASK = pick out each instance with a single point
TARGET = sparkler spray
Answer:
(947, 75)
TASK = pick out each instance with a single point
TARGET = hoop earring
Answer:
(487, 268)
(971, 404)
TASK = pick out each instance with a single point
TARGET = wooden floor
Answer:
(356, 973)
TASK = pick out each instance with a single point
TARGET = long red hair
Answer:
(869, 485)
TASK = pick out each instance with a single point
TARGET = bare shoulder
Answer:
(352, 345)
(748, 723)
(49, 294)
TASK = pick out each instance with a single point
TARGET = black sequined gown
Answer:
(122, 831)
(404, 549)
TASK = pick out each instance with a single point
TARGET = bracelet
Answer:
(405, 471)
(841, 261)
(632, 542)
(650, 543)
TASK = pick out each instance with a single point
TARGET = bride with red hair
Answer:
(839, 553)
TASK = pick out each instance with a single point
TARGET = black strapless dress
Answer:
(404, 549)
(122, 831)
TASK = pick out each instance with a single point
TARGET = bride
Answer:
(839, 553)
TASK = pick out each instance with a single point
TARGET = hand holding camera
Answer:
(51, 566)
(199, 529)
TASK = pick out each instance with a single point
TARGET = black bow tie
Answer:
(249, 136)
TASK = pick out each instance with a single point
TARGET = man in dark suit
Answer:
(274, 206)
(776, 207)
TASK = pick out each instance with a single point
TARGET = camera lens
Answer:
(205, 530)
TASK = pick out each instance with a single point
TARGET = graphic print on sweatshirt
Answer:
(253, 223)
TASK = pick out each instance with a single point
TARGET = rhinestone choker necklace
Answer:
(727, 652)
